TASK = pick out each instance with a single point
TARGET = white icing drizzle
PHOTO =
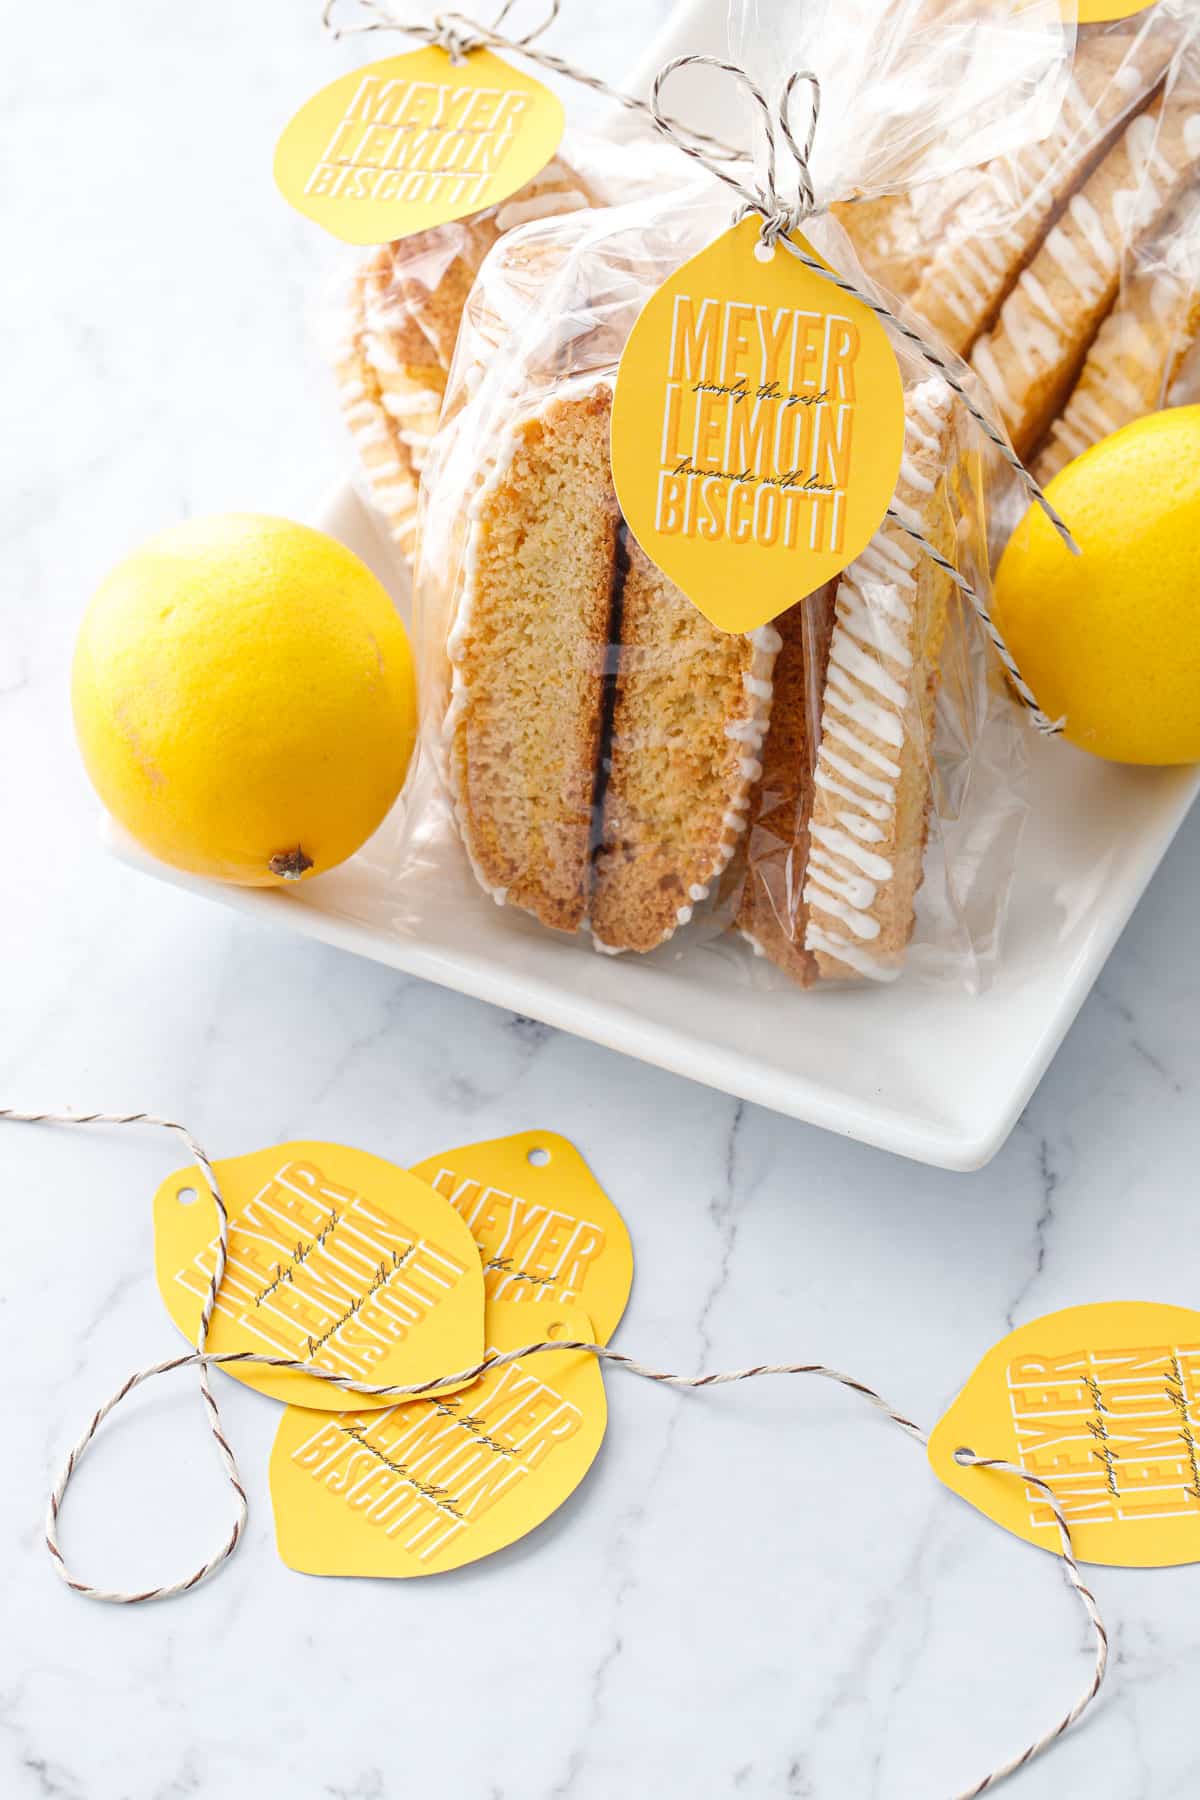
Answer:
(834, 728)
(870, 784)
(855, 888)
(860, 923)
(854, 958)
(839, 843)
(878, 809)
(866, 714)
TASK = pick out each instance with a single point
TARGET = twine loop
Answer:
(203, 1359)
(780, 214)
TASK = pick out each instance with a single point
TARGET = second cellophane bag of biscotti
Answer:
(1062, 269)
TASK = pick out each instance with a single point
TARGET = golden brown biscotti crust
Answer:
(689, 711)
(528, 648)
(771, 914)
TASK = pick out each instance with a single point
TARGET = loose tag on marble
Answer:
(414, 141)
(1103, 1404)
(427, 1485)
(335, 1257)
(757, 429)
(545, 1228)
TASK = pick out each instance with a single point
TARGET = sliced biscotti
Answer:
(871, 786)
(690, 706)
(390, 401)
(895, 234)
(1138, 350)
(528, 646)
(1032, 357)
(884, 232)
(994, 233)
(403, 309)
(772, 914)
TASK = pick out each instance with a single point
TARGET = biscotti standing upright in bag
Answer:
(627, 773)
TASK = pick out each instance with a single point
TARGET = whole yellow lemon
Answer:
(1111, 638)
(244, 698)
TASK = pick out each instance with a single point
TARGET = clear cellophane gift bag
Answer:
(837, 797)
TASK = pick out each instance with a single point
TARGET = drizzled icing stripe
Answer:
(867, 696)
(1083, 252)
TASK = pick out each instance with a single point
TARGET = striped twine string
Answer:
(203, 1360)
(458, 36)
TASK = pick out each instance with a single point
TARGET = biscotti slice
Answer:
(771, 913)
(689, 710)
(403, 311)
(894, 234)
(1138, 350)
(994, 233)
(389, 402)
(1032, 357)
(884, 232)
(528, 647)
(871, 794)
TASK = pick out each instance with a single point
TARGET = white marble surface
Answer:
(755, 1592)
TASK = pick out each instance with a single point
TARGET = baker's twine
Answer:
(458, 36)
(202, 1359)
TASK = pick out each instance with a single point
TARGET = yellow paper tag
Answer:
(432, 1484)
(413, 141)
(335, 1257)
(757, 429)
(1099, 12)
(1103, 1403)
(545, 1228)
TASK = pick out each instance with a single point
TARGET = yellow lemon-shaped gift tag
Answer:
(1110, 639)
(757, 429)
(1103, 1404)
(1100, 12)
(335, 1258)
(414, 141)
(431, 1484)
(547, 1232)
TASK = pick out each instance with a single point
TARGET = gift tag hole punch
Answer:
(538, 1157)
(764, 252)
(963, 1455)
(187, 1196)
(556, 1329)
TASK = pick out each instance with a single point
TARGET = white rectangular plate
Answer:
(934, 1074)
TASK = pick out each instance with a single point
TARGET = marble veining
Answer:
(759, 1592)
